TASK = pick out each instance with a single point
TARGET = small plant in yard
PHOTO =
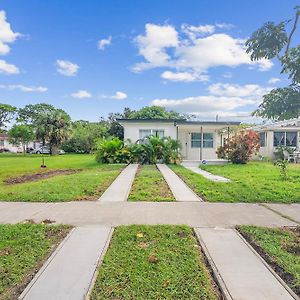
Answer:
(240, 147)
(282, 164)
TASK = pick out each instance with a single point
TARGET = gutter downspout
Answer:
(201, 144)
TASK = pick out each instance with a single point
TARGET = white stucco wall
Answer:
(132, 130)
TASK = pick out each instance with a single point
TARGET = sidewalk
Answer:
(195, 214)
(68, 273)
(120, 188)
(242, 272)
(179, 189)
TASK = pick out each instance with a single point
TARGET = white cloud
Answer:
(119, 96)
(274, 80)
(152, 46)
(102, 44)
(222, 100)
(81, 94)
(184, 76)
(7, 68)
(164, 46)
(6, 34)
(66, 67)
(23, 88)
(235, 90)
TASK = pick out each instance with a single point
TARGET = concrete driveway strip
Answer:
(179, 189)
(68, 273)
(244, 274)
(120, 188)
(290, 210)
(207, 175)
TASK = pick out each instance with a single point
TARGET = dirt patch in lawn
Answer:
(39, 176)
(292, 248)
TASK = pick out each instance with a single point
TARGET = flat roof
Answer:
(177, 121)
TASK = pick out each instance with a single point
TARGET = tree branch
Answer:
(292, 32)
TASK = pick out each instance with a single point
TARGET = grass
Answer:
(88, 184)
(281, 249)
(149, 185)
(23, 249)
(154, 262)
(253, 182)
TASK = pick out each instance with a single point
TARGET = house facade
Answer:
(5, 145)
(283, 133)
(199, 140)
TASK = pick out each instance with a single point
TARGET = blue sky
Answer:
(95, 57)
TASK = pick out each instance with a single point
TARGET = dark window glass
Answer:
(278, 139)
(208, 140)
(196, 140)
(291, 139)
(262, 138)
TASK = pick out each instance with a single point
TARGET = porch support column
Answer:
(201, 144)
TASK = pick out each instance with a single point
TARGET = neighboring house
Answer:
(7, 146)
(283, 133)
(199, 140)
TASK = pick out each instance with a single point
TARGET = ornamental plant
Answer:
(240, 147)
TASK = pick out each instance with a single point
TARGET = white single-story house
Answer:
(7, 146)
(283, 133)
(199, 140)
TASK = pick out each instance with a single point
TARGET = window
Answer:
(285, 139)
(195, 140)
(262, 139)
(208, 140)
(156, 132)
(1, 143)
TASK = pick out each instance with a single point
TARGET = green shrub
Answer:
(150, 150)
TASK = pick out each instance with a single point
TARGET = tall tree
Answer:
(7, 113)
(155, 112)
(34, 114)
(57, 126)
(273, 41)
(21, 134)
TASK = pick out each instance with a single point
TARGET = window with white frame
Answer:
(147, 132)
(285, 138)
(263, 139)
(196, 140)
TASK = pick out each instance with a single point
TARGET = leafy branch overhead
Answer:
(274, 41)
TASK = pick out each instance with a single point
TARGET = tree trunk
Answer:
(54, 149)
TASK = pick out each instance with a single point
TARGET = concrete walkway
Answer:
(242, 272)
(179, 189)
(120, 188)
(195, 214)
(207, 175)
(68, 273)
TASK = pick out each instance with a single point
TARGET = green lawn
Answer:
(23, 249)
(154, 262)
(253, 182)
(88, 184)
(149, 185)
(281, 249)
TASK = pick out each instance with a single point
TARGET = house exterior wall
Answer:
(5, 144)
(132, 130)
(269, 149)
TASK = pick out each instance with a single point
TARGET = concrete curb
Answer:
(45, 265)
(268, 267)
(221, 284)
(92, 283)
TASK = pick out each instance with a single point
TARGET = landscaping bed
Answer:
(154, 262)
(66, 178)
(252, 182)
(23, 250)
(150, 185)
(280, 248)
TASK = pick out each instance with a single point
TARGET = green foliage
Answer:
(154, 112)
(148, 151)
(280, 104)
(84, 135)
(240, 147)
(282, 164)
(7, 113)
(21, 134)
(272, 41)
